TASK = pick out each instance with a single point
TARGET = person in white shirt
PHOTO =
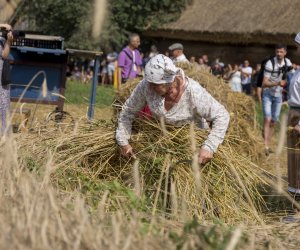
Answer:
(293, 137)
(177, 55)
(273, 82)
(246, 73)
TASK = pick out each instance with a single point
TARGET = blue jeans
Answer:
(271, 105)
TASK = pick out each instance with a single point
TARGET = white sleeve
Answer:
(268, 69)
(211, 110)
(288, 62)
(132, 106)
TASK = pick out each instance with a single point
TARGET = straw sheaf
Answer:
(243, 130)
(227, 187)
(94, 154)
(235, 21)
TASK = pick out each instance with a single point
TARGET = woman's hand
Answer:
(204, 156)
(127, 151)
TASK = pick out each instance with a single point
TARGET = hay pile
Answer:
(227, 187)
(243, 129)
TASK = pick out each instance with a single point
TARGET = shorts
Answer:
(110, 69)
(271, 105)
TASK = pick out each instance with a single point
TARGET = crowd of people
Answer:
(166, 92)
(170, 95)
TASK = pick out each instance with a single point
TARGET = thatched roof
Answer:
(242, 21)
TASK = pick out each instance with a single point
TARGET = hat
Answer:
(175, 46)
(297, 38)
(160, 69)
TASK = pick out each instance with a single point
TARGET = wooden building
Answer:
(233, 30)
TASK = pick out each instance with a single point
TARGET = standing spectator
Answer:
(217, 68)
(76, 74)
(227, 71)
(104, 72)
(129, 60)
(111, 58)
(202, 65)
(294, 136)
(206, 60)
(4, 88)
(153, 51)
(272, 85)
(194, 63)
(254, 80)
(177, 55)
(246, 71)
(235, 79)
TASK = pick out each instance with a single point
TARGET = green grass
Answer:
(79, 93)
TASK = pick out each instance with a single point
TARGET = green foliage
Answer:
(78, 93)
(73, 20)
(69, 19)
(138, 16)
(216, 236)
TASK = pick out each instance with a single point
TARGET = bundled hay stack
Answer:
(227, 187)
(243, 129)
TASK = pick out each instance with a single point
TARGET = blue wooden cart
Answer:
(38, 58)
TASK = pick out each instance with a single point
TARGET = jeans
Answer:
(271, 105)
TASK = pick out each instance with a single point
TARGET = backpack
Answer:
(6, 70)
(260, 74)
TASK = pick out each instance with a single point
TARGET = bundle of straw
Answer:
(227, 187)
(243, 128)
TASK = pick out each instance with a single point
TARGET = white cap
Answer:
(160, 69)
(297, 38)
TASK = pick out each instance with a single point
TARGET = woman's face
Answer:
(163, 89)
(160, 89)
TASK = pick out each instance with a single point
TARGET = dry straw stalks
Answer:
(226, 188)
(166, 174)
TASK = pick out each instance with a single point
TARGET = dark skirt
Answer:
(293, 143)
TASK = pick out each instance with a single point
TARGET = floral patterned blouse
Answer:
(195, 104)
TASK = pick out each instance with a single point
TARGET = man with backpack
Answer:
(274, 79)
(130, 60)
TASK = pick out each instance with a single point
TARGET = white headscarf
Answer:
(160, 69)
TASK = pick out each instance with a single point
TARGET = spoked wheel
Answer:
(59, 120)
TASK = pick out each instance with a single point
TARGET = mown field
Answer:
(61, 189)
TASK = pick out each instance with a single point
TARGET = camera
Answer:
(16, 33)
(284, 70)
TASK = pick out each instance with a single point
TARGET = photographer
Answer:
(5, 43)
(274, 80)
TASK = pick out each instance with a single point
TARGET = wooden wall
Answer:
(228, 53)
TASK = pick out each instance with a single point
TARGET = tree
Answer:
(69, 19)
(139, 15)
(72, 19)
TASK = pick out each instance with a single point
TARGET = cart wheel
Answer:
(60, 120)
